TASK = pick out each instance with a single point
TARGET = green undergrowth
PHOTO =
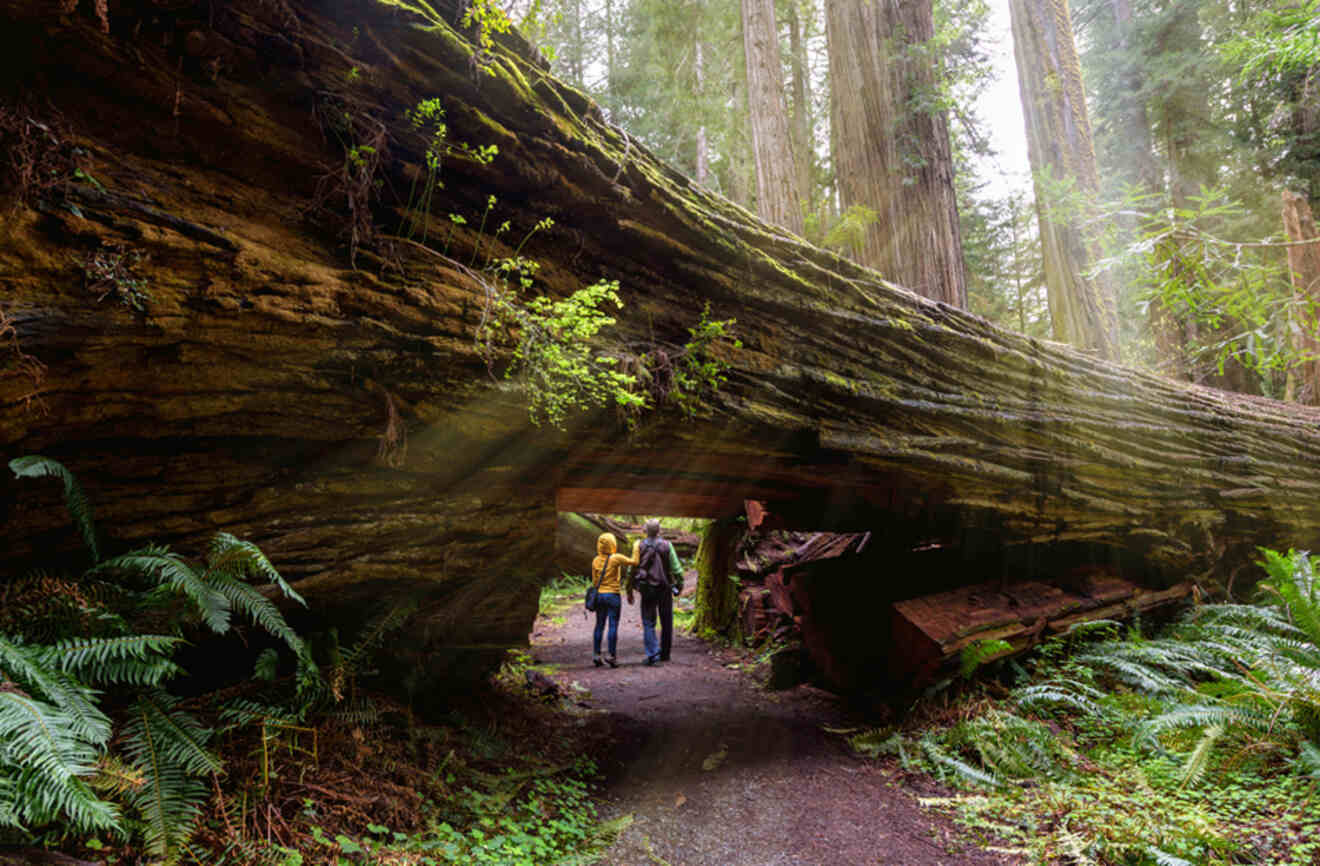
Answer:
(1196, 745)
(123, 744)
(561, 594)
(502, 777)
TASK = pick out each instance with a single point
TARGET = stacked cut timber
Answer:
(930, 632)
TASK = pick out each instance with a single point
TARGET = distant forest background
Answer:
(1164, 135)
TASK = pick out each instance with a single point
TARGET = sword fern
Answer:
(57, 730)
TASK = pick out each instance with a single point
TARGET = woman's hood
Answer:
(606, 544)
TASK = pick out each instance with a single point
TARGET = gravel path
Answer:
(718, 772)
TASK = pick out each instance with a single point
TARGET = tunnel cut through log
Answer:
(888, 608)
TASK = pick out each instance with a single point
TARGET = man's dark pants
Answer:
(657, 600)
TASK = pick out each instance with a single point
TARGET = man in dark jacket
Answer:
(659, 578)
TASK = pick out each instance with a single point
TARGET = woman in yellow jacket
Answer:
(609, 602)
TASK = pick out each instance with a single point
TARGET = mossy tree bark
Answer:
(1083, 308)
(890, 156)
(716, 607)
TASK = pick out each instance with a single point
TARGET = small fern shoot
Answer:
(35, 466)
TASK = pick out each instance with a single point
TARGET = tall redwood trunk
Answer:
(889, 157)
(778, 199)
(1141, 167)
(703, 148)
(1304, 267)
(1083, 308)
(740, 187)
(802, 125)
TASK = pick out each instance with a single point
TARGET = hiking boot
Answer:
(612, 661)
(595, 660)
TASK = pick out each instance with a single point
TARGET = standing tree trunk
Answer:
(1083, 309)
(716, 608)
(801, 104)
(739, 186)
(699, 71)
(778, 199)
(1304, 266)
(1140, 168)
(890, 157)
(609, 52)
(577, 54)
(1306, 133)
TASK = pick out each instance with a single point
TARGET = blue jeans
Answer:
(657, 603)
(608, 607)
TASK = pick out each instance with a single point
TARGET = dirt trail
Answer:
(718, 772)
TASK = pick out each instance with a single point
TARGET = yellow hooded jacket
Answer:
(612, 562)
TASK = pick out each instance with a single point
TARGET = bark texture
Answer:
(778, 198)
(890, 156)
(801, 74)
(1304, 268)
(1083, 309)
(343, 419)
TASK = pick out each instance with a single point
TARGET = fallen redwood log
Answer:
(302, 378)
(931, 633)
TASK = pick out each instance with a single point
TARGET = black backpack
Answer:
(651, 568)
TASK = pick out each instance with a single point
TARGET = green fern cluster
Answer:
(87, 725)
(1093, 760)
(1247, 674)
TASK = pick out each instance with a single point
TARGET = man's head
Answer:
(652, 527)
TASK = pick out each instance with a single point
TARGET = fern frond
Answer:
(242, 711)
(247, 599)
(1010, 746)
(374, 634)
(876, 742)
(961, 769)
(37, 735)
(245, 558)
(43, 756)
(167, 746)
(1297, 589)
(267, 665)
(35, 466)
(1164, 858)
(312, 686)
(26, 666)
(115, 777)
(135, 659)
(1308, 758)
(1212, 715)
(359, 712)
(169, 569)
(1070, 693)
(38, 800)
(1199, 760)
(160, 733)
